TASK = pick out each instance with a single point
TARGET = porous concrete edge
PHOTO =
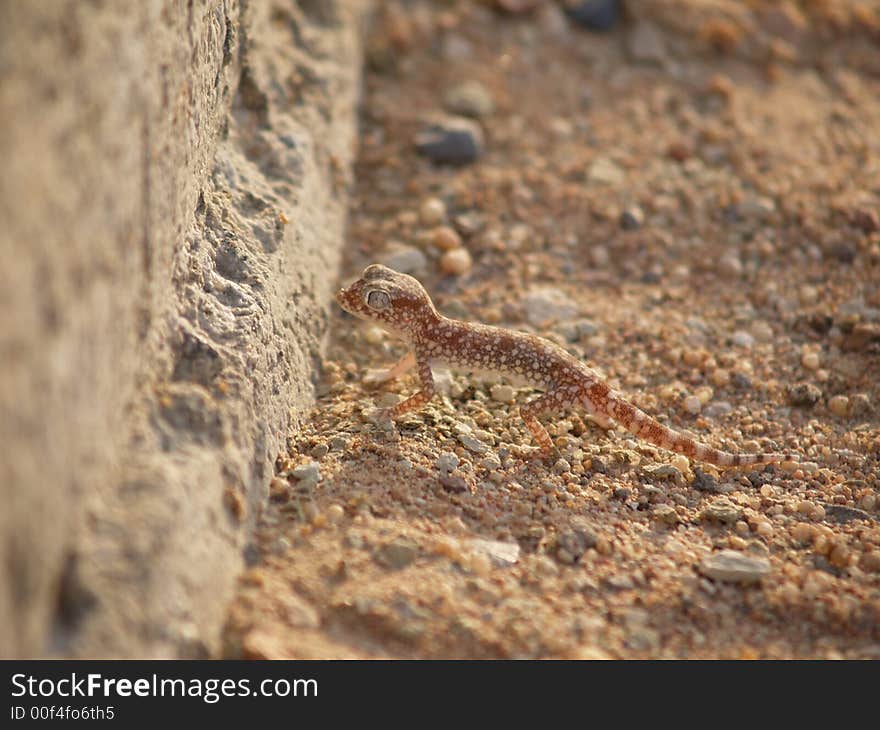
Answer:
(183, 368)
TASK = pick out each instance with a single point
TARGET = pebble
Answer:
(447, 461)
(451, 141)
(433, 211)
(859, 405)
(722, 511)
(470, 99)
(718, 409)
(576, 541)
(335, 513)
(605, 172)
(666, 514)
(810, 360)
(803, 532)
(841, 513)
(472, 444)
(279, 489)
(446, 238)
(632, 218)
(491, 463)
(547, 304)
(704, 482)
(405, 259)
(502, 393)
(456, 262)
(729, 265)
(501, 554)
(741, 338)
(319, 451)
(597, 15)
(398, 553)
(453, 483)
(692, 405)
(732, 566)
(839, 405)
(804, 395)
(310, 472)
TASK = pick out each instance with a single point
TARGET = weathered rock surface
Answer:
(172, 202)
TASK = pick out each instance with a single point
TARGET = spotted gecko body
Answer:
(399, 303)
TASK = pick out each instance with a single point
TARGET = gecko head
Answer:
(396, 301)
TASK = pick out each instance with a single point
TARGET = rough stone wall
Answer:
(172, 205)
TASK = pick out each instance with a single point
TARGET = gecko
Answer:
(400, 304)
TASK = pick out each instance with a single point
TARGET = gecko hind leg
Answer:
(601, 419)
(529, 413)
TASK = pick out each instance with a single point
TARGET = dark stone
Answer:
(741, 381)
(704, 482)
(804, 395)
(840, 513)
(453, 483)
(597, 15)
(632, 218)
(451, 141)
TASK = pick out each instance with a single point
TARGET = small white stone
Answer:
(692, 405)
(502, 393)
(456, 262)
(810, 360)
(433, 211)
(731, 566)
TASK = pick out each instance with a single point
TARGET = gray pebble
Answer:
(307, 472)
(741, 338)
(632, 218)
(451, 141)
(472, 444)
(447, 461)
(319, 451)
(731, 566)
(398, 553)
(718, 409)
(804, 395)
(405, 259)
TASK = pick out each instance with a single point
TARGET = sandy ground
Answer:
(689, 203)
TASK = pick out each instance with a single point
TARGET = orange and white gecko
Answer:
(401, 305)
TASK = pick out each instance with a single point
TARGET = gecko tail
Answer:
(640, 424)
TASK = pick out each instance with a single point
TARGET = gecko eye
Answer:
(377, 299)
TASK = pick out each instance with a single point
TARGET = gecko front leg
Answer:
(417, 400)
